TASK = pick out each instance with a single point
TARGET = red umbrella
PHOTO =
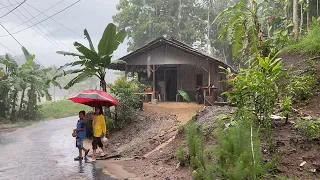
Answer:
(94, 98)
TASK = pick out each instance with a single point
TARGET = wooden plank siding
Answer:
(189, 63)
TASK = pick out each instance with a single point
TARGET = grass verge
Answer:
(61, 109)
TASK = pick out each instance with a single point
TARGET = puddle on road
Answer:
(116, 170)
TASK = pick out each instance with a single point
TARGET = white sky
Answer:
(91, 14)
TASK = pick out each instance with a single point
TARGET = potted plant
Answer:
(148, 89)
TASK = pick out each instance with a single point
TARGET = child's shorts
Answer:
(96, 141)
(79, 142)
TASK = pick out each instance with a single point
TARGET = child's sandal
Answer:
(78, 158)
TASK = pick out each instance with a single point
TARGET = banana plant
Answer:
(15, 77)
(37, 84)
(92, 62)
(17, 80)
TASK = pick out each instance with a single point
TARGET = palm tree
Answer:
(92, 62)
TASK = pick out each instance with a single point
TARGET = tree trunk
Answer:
(3, 102)
(317, 8)
(32, 99)
(301, 18)
(14, 102)
(308, 15)
(103, 86)
(295, 21)
(21, 103)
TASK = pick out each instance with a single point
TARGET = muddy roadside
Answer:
(148, 145)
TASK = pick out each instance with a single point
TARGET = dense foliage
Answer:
(192, 22)
(22, 87)
(123, 89)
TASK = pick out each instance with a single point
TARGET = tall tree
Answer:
(190, 21)
(146, 20)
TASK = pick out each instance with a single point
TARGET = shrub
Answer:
(238, 153)
(109, 124)
(286, 107)
(301, 88)
(309, 127)
(180, 156)
(255, 90)
(128, 109)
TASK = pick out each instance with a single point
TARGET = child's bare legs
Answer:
(86, 151)
(80, 152)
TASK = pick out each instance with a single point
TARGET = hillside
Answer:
(302, 63)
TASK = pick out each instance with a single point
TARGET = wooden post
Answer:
(126, 71)
(153, 81)
(209, 79)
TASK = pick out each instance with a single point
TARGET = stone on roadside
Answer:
(303, 163)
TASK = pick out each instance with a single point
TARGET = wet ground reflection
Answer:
(44, 151)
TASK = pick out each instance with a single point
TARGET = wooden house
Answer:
(168, 65)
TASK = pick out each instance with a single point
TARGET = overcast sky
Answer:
(94, 15)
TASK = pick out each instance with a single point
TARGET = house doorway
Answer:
(171, 84)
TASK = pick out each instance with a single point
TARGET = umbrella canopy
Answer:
(94, 98)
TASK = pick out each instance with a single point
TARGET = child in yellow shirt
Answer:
(99, 131)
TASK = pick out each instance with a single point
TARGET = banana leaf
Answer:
(184, 95)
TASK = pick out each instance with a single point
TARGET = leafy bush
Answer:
(61, 109)
(109, 124)
(255, 90)
(129, 102)
(180, 156)
(301, 88)
(286, 107)
(309, 127)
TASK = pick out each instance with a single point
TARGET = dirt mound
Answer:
(148, 146)
(145, 134)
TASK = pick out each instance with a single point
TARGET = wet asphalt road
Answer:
(44, 151)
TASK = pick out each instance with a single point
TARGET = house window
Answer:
(199, 80)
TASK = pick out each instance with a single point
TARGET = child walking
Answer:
(99, 131)
(81, 134)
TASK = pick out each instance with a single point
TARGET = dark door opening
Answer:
(200, 80)
(171, 84)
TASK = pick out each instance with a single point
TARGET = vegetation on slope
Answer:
(309, 44)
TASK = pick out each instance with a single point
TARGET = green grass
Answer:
(309, 43)
(61, 109)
